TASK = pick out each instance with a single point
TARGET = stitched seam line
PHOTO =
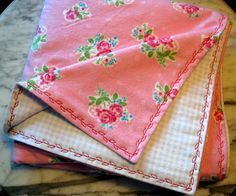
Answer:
(204, 117)
(220, 132)
(13, 107)
(222, 158)
(99, 159)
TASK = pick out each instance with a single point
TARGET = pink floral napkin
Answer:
(112, 68)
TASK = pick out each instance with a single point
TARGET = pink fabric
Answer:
(138, 86)
(214, 164)
(24, 154)
(215, 160)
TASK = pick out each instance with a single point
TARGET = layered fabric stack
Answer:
(128, 87)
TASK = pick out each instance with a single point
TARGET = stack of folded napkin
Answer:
(132, 87)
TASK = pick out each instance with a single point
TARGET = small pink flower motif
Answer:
(151, 40)
(116, 109)
(100, 47)
(208, 42)
(163, 49)
(190, 9)
(40, 30)
(48, 77)
(172, 93)
(104, 47)
(219, 116)
(163, 94)
(79, 11)
(43, 77)
(106, 116)
(71, 14)
(109, 110)
(146, 36)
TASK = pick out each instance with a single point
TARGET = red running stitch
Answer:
(13, 107)
(187, 187)
(222, 158)
(219, 135)
(149, 125)
(199, 133)
(99, 159)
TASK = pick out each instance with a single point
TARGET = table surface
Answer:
(17, 25)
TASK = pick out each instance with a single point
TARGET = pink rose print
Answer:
(101, 47)
(163, 94)
(106, 116)
(104, 47)
(71, 14)
(116, 109)
(191, 10)
(43, 78)
(172, 93)
(219, 115)
(151, 40)
(79, 11)
(49, 76)
(108, 110)
(208, 42)
(163, 49)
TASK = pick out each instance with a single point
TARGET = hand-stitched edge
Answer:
(204, 117)
(222, 158)
(220, 162)
(13, 106)
(220, 131)
(187, 187)
(99, 159)
(130, 156)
